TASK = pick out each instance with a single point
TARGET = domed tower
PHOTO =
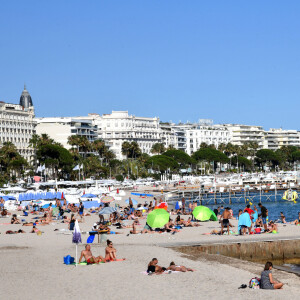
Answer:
(25, 99)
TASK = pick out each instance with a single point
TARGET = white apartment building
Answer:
(167, 135)
(211, 135)
(17, 124)
(276, 138)
(59, 129)
(241, 134)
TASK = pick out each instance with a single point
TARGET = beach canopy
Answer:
(134, 202)
(158, 218)
(203, 213)
(107, 199)
(89, 196)
(107, 211)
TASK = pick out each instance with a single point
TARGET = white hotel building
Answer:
(119, 126)
(17, 124)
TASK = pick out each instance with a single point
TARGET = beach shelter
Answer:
(89, 196)
(158, 218)
(203, 213)
(134, 202)
(107, 211)
(107, 199)
(177, 206)
(76, 238)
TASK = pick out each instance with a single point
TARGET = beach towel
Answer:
(244, 220)
(165, 272)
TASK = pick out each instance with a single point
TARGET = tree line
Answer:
(99, 161)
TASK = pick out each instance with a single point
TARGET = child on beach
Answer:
(267, 281)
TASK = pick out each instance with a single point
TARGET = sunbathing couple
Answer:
(110, 254)
(154, 268)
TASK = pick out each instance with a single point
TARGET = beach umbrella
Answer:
(107, 211)
(203, 213)
(107, 199)
(158, 218)
(89, 196)
(134, 202)
(76, 237)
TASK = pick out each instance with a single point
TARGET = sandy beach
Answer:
(31, 266)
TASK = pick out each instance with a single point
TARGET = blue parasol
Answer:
(134, 202)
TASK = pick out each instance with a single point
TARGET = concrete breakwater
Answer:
(278, 251)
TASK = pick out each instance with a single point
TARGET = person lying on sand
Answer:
(15, 232)
(189, 223)
(110, 252)
(154, 268)
(173, 267)
(89, 258)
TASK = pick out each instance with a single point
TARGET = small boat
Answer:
(290, 195)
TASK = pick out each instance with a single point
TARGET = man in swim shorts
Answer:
(89, 258)
(226, 215)
(263, 215)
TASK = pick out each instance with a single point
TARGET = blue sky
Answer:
(230, 61)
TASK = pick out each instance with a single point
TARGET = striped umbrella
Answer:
(107, 199)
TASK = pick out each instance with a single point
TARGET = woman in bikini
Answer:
(173, 267)
(110, 252)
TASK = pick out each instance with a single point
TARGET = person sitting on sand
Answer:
(147, 229)
(297, 221)
(258, 222)
(189, 223)
(89, 258)
(169, 227)
(272, 227)
(154, 268)
(15, 220)
(282, 217)
(110, 252)
(267, 281)
(134, 231)
(173, 267)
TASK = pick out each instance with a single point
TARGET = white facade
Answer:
(17, 125)
(242, 134)
(59, 129)
(167, 135)
(276, 138)
(211, 135)
(119, 126)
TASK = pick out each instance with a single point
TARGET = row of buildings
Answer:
(18, 123)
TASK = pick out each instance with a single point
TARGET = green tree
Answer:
(158, 148)
(162, 163)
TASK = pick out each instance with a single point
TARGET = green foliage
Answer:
(210, 155)
(158, 148)
(162, 163)
(131, 150)
(119, 178)
(180, 157)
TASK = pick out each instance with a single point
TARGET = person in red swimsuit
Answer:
(89, 258)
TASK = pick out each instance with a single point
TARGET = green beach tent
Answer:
(203, 213)
(158, 218)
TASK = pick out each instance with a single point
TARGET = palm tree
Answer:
(158, 148)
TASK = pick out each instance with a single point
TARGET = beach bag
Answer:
(254, 283)
(68, 260)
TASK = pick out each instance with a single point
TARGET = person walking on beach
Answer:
(263, 211)
(81, 209)
(183, 205)
(89, 258)
(226, 215)
(267, 281)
